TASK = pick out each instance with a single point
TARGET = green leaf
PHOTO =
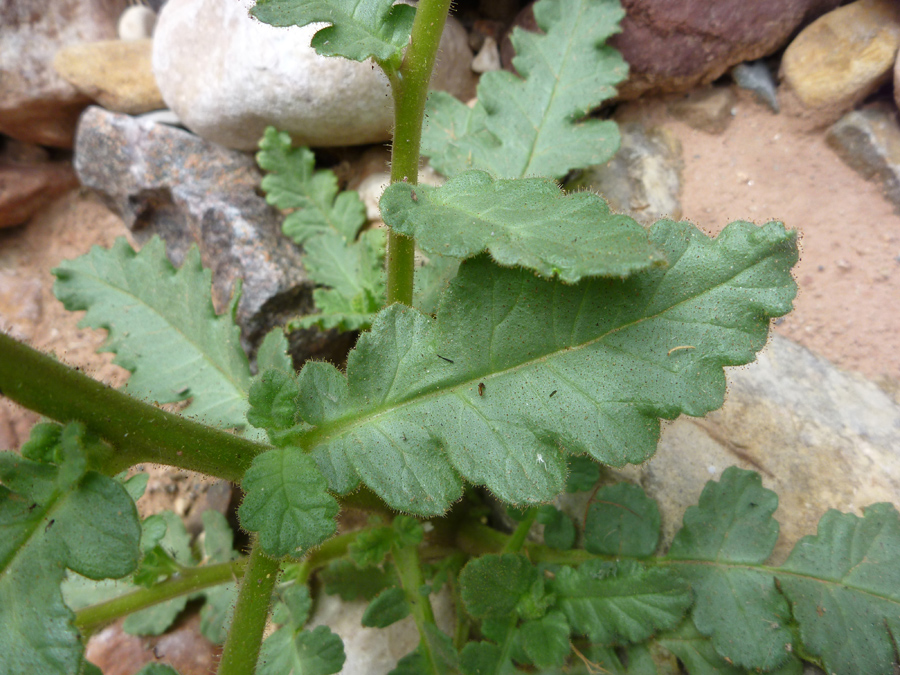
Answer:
(293, 183)
(535, 125)
(286, 502)
(605, 660)
(467, 394)
(695, 650)
(309, 652)
(844, 588)
(493, 585)
(136, 485)
(484, 658)
(408, 531)
(360, 29)
(739, 607)
(622, 521)
(523, 222)
(218, 538)
(431, 280)
(344, 578)
(274, 400)
(162, 327)
(157, 669)
(388, 607)
(217, 611)
(546, 640)
(273, 353)
(52, 519)
(624, 602)
(583, 474)
(155, 620)
(370, 548)
(559, 530)
(293, 606)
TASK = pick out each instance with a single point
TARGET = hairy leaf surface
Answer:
(844, 587)
(622, 521)
(162, 327)
(516, 371)
(493, 585)
(525, 222)
(53, 518)
(360, 29)
(624, 602)
(308, 652)
(535, 125)
(286, 502)
(739, 607)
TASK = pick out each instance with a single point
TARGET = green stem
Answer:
(139, 431)
(91, 619)
(406, 558)
(250, 614)
(409, 86)
(515, 542)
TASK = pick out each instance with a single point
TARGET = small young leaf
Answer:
(218, 538)
(467, 394)
(136, 485)
(559, 530)
(344, 578)
(624, 602)
(286, 502)
(293, 606)
(359, 29)
(388, 607)
(583, 474)
(273, 353)
(162, 327)
(492, 585)
(293, 183)
(740, 608)
(274, 397)
(522, 223)
(370, 548)
(483, 658)
(42, 442)
(844, 587)
(622, 521)
(546, 640)
(535, 125)
(310, 652)
(408, 531)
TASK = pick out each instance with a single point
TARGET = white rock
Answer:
(488, 58)
(227, 76)
(136, 23)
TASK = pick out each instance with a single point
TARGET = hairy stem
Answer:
(409, 86)
(409, 569)
(91, 619)
(139, 431)
(250, 614)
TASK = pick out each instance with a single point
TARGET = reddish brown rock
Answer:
(24, 189)
(672, 47)
(36, 104)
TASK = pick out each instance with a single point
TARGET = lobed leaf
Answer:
(286, 503)
(53, 518)
(310, 652)
(535, 125)
(515, 372)
(524, 222)
(546, 640)
(344, 578)
(559, 530)
(620, 603)
(492, 586)
(360, 29)
(738, 606)
(844, 588)
(388, 607)
(162, 327)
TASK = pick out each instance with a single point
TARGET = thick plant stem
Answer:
(139, 431)
(91, 619)
(409, 86)
(409, 568)
(250, 614)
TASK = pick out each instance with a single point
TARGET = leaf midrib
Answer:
(336, 428)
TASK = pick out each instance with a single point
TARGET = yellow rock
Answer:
(843, 56)
(115, 73)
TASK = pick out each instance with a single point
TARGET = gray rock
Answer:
(706, 110)
(643, 179)
(821, 438)
(755, 76)
(228, 76)
(36, 104)
(166, 181)
(869, 141)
